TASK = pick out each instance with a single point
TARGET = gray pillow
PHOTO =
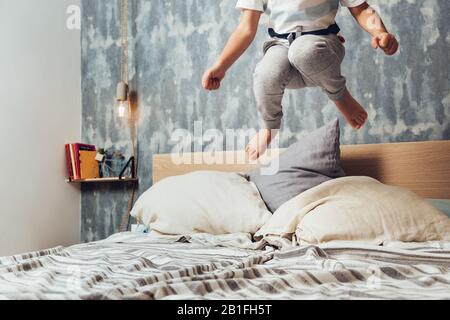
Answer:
(311, 161)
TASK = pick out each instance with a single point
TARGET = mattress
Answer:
(146, 266)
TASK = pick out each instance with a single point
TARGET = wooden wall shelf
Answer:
(103, 180)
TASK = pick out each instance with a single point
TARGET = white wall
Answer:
(40, 110)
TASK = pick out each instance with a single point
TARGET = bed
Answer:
(148, 266)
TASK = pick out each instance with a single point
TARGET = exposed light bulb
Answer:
(122, 108)
(122, 98)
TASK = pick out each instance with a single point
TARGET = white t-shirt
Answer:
(285, 16)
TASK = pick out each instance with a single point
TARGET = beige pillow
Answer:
(358, 209)
(202, 202)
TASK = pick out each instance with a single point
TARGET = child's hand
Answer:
(212, 78)
(387, 42)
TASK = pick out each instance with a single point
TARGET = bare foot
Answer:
(258, 145)
(351, 109)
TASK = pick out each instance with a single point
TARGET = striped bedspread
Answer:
(140, 266)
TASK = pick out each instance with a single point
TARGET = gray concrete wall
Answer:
(173, 41)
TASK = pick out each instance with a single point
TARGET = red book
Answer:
(69, 161)
(76, 171)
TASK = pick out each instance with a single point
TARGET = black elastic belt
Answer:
(333, 29)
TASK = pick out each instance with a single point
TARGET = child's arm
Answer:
(370, 21)
(239, 41)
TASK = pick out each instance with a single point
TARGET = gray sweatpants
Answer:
(309, 61)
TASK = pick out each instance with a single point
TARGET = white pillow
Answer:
(202, 202)
(358, 209)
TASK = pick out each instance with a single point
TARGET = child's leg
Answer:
(318, 59)
(272, 76)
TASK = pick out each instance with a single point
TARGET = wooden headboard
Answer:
(423, 167)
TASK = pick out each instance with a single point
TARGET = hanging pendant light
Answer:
(122, 91)
(122, 98)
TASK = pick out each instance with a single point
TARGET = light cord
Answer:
(124, 77)
(124, 48)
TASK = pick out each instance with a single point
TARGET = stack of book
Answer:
(81, 162)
